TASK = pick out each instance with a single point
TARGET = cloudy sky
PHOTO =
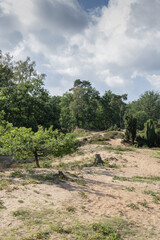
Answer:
(114, 44)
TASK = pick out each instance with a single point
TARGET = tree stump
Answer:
(98, 160)
(60, 175)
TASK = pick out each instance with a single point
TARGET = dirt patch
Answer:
(128, 188)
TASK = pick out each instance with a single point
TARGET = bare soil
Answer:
(127, 188)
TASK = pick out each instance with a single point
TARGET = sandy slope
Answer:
(101, 196)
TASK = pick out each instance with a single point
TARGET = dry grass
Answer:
(117, 200)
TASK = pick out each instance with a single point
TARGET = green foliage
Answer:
(149, 102)
(141, 117)
(141, 140)
(23, 143)
(42, 235)
(157, 131)
(84, 103)
(23, 98)
(105, 231)
(67, 120)
(149, 133)
(131, 127)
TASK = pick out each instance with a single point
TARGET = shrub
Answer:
(149, 133)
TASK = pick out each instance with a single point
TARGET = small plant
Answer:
(81, 182)
(70, 209)
(20, 201)
(21, 214)
(5, 184)
(144, 203)
(133, 206)
(38, 236)
(48, 195)
(105, 230)
(120, 178)
(156, 199)
(2, 205)
(113, 165)
(17, 173)
(83, 195)
(30, 171)
(61, 229)
(36, 191)
(130, 189)
(155, 195)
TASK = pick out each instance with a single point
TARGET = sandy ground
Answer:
(100, 196)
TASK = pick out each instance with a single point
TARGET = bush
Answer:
(141, 140)
(149, 133)
(131, 127)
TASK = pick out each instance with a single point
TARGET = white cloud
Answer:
(154, 80)
(111, 46)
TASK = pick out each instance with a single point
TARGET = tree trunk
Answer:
(36, 159)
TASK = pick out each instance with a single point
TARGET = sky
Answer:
(114, 44)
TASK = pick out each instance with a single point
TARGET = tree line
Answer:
(25, 102)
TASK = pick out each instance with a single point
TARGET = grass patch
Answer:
(150, 179)
(38, 236)
(82, 132)
(114, 135)
(111, 228)
(74, 165)
(5, 184)
(157, 155)
(71, 209)
(21, 214)
(83, 195)
(144, 203)
(17, 174)
(119, 149)
(133, 206)
(130, 189)
(155, 195)
(50, 177)
(61, 229)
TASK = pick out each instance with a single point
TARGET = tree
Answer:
(23, 143)
(141, 117)
(157, 130)
(67, 120)
(84, 104)
(131, 126)
(107, 109)
(149, 133)
(149, 102)
(117, 100)
(23, 97)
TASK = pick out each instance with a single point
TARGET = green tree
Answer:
(149, 133)
(117, 101)
(141, 117)
(67, 120)
(131, 127)
(108, 113)
(149, 102)
(23, 143)
(84, 104)
(23, 97)
(157, 130)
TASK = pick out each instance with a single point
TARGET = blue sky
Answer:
(91, 4)
(114, 44)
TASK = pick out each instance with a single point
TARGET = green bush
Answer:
(149, 133)
(141, 141)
